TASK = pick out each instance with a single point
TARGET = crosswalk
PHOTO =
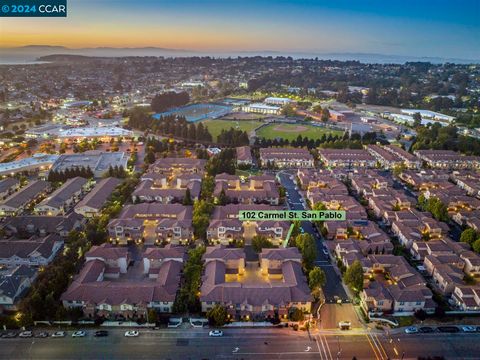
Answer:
(377, 347)
(328, 352)
(323, 348)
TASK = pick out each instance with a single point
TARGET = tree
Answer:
(222, 198)
(149, 157)
(476, 246)
(325, 115)
(316, 280)
(202, 210)
(468, 236)
(217, 316)
(306, 244)
(188, 296)
(288, 110)
(354, 277)
(187, 199)
(417, 120)
(420, 314)
(152, 316)
(260, 242)
(296, 314)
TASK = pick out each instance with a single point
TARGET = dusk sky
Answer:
(409, 27)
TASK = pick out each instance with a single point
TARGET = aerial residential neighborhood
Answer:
(240, 180)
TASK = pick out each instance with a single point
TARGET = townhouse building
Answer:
(286, 158)
(18, 201)
(225, 226)
(152, 223)
(105, 288)
(94, 201)
(62, 200)
(254, 190)
(263, 289)
(167, 189)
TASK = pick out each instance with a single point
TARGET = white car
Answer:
(57, 334)
(215, 333)
(26, 334)
(464, 329)
(411, 330)
(132, 333)
(79, 333)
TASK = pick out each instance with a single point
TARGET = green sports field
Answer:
(216, 126)
(291, 131)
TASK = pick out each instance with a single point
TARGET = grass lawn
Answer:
(291, 131)
(247, 173)
(216, 126)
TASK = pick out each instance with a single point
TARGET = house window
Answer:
(402, 303)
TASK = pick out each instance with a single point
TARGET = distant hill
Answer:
(40, 52)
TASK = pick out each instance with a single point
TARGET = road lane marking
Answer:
(325, 347)
(318, 346)
(323, 353)
(371, 345)
(328, 348)
(380, 345)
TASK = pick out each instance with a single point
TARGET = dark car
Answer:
(426, 329)
(101, 333)
(42, 334)
(448, 329)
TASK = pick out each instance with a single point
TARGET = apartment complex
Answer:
(286, 158)
(255, 189)
(62, 200)
(226, 228)
(167, 189)
(263, 289)
(93, 202)
(107, 287)
(346, 158)
(17, 202)
(152, 223)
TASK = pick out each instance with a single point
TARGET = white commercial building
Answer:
(36, 162)
(260, 108)
(94, 132)
(427, 114)
(278, 101)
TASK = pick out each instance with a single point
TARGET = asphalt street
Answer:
(244, 344)
(333, 288)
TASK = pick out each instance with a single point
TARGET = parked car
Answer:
(9, 335)
(58, 334)
(215, 333)
(448, 329)
(411, 330)
(42, 334)
(132, 333)
(101, 333)
(26, 334)
(426, 329)
(79, 333)
(469, 329)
